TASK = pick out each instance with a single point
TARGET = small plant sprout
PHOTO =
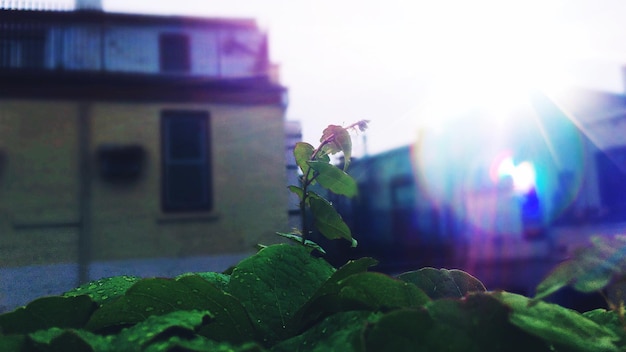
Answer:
(316, 167)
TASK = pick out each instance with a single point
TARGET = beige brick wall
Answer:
(39, 183)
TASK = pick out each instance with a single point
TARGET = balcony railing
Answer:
(100, 42)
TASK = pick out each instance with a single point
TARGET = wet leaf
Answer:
(231, 321)
(558, 325)
(443, 283)
(48, 312)
(310, 311)
(380, 292)
(105, 289)
(219, 280)
(200, 344)
(328, 221)
(338, 332)
(332, 178)
(155, 328)
(151, 297)
(362, 291)
(274, 283)
(298, 239)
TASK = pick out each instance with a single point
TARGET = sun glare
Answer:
(478, 126)
(489, 53)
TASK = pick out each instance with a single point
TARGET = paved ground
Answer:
(18, 286)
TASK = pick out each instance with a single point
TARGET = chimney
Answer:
(88, 5)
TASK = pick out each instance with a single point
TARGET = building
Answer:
(505, 206)
(134, 138)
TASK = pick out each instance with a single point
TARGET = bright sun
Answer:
(479, 105)
(488, 53)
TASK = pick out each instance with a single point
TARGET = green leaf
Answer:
(328, 221)
(443, 283)
(155, 328)
(200, 344)
(219, 280)
(310, 311)
(298, 239)
(483, 320)
(591, 269)
(332, 178)
(352, 267)
(380, 292)
(297, 191)
(414, 330)
(558, 325)
(104, 290)
(147, 297)
(157, 296)
(274, 283)
(13, 342)
(611, 320)
(231, 322)
(57, 339)
(303, 153)
(47, 312)
(338, 332)
(362, 291)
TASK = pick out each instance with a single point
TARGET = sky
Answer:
(400, 63)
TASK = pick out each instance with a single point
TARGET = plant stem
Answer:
(305, 229)
(305, 184)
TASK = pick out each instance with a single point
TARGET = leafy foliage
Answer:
(285, 299)
(314, 163)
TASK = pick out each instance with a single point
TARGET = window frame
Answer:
(203, 162)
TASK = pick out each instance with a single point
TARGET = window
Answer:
(611, 167)
(174, 53)
(22, 49)
(186, 172)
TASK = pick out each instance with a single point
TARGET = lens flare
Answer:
(477, 165)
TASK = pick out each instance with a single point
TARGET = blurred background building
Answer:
(153, 145)
(148, 145)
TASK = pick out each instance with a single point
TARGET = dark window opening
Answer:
(187, 179)
(611, 167)
(174, 53)
(120, 162)
(22, 49)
